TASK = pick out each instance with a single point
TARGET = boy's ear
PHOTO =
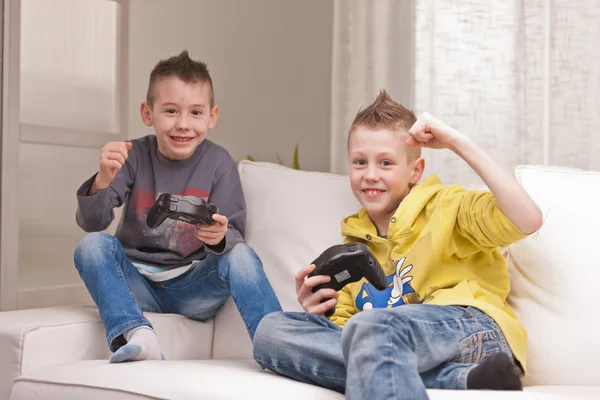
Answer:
(146, 114)
(214, 116)
(417, 170)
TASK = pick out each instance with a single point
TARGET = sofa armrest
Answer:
(56, 335)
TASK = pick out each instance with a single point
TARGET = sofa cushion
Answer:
(209, 379)
(38, 337)
(292, 217)
(196, 380)
(555, 276)
(571, 392)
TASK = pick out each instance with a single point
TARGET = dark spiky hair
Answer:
(184, 68)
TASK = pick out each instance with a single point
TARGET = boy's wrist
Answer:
(97, 186)
(219, 247)
(461, 144)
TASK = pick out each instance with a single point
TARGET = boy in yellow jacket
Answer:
(443, 322)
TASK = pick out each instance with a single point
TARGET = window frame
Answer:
(9, 218)
(54, 135)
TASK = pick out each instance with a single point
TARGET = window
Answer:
(71, 86)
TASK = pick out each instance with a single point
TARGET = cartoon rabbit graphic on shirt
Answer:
(398, 286)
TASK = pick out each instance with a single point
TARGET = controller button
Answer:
(369, 237)
(352, 248)
(172, 207)
(174, 200)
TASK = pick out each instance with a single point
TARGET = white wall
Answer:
(270, 61)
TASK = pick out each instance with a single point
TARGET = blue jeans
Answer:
(122, 293)
(390, 353)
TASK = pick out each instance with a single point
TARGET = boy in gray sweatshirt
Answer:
(175, 267)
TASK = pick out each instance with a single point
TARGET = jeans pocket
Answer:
(478, 346)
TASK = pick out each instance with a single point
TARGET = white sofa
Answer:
(61, 353)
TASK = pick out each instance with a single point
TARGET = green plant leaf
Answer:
(279, 159)
(296, 164)
(249, 158)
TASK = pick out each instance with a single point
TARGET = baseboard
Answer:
(51, 296)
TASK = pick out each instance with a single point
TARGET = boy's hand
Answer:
(512, 199)
(112, 159)
(310, 301)
(212, 234)
(430, 132)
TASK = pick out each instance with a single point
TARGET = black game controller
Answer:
(190, 209)
(347, 263)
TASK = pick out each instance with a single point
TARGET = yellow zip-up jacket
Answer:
(442, 248)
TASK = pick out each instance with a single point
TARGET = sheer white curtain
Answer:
(373, 48)
(520, 77)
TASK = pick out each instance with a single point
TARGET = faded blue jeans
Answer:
(122, 293)
(389, 353)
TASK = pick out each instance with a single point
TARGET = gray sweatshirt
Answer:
(210, 173)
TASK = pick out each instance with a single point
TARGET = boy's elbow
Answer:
(90, 226)
(533, 222)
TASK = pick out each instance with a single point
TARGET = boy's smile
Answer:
(373, 193)
(380, 172)
(181, 115)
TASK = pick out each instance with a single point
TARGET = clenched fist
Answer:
(430, 132)
(112, 159)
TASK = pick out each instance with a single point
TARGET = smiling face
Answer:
(382, 171)
(181, 114)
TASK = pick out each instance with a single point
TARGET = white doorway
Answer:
(9, 224)
(62, 95)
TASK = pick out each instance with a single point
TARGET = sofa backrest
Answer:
(555, 273)
(555, 277)
(292, 217)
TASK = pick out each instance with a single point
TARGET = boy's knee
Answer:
(90, 247)
(241, 252)
(243, 260)
(266, 324)
(365, 323)
(266, 337)
(273, 320)
(368, 318)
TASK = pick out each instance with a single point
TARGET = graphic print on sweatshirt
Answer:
(177, 236)
(398, 292)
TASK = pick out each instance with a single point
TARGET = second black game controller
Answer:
(347, 263)
(190, 209)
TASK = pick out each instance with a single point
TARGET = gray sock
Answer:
(142, 344)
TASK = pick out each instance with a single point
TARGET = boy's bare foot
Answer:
(496, 372)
